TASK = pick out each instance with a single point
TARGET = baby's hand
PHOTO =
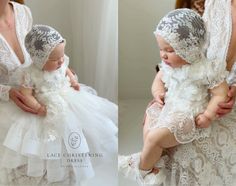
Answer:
(42, 111)
(202, 121)
(76, 86)
(160, 99)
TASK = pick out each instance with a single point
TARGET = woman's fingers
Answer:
(24, 107)
(19, 100)
(226, 105)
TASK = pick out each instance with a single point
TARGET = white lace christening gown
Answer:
(187, 96)
(78, 132)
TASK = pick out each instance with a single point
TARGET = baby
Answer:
(187, 90)
(71, 123)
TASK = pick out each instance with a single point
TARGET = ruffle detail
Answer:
(191, 81)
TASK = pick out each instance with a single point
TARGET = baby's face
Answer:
(168, 55)
(55, 59)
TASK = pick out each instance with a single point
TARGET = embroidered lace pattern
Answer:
(185, 31)
(40, 42)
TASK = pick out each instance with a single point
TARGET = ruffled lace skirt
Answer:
(63, 149)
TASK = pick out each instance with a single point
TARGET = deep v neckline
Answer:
(17, 37)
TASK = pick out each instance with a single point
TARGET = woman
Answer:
(211, 161)
(15, 22)
(12, 33)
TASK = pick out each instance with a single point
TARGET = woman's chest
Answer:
(13, 43)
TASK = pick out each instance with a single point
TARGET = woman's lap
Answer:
(206, 161)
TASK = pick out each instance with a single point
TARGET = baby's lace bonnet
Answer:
(40, 42)
(185, 31)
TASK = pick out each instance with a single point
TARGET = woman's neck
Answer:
(5, 9)
(233, 2)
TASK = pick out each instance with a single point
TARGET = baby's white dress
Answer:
(78, 132)
(187, 95)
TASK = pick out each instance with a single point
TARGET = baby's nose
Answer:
(61, 61)
(164, 56)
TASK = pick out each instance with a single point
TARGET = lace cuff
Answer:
(4, 92)
(27, 81)
(231, 79)
(215, 76)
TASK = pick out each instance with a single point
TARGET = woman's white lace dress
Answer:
(209, 161)
(187, 96)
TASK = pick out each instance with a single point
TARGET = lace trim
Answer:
(231, 79)
(4, 92)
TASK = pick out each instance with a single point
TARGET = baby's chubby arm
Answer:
(31, 101)
(218, 95)
(73, 81)
(158, 89)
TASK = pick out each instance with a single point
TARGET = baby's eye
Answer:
(170, 50)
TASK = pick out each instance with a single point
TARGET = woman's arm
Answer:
(8, 92)
(73, 81)
(20, 99)
(158, 89)
(218, 94)
(31, 102)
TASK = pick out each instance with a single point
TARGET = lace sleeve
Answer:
(4, 89)
(4, 92)
(215, 76)
(27, 81)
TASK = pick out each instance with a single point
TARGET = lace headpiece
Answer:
(40, 42)
(185, 31)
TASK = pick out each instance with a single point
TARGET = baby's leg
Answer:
(156, 139)
(145, 127)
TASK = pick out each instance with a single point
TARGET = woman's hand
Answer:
(19, 100)
(226, 107)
